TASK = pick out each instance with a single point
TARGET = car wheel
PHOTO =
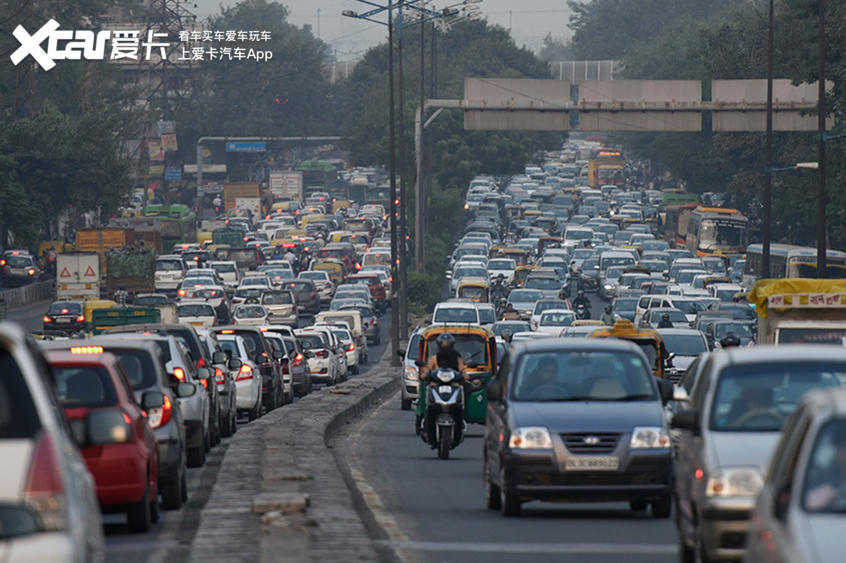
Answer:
(686, 554)
(405, 404)
(207, 441)
(138, 515)
(154, 509)
(197, 456)
(226, 427)
(171, 493)
(290, 399)
(661, 508)
(638, 505)
(184, 486)
(493, 501)
(509, 502)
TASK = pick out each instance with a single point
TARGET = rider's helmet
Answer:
(730, 341)
(608, 309)
(665, 317)
(445, 341)
(580, 293)
(500, 277)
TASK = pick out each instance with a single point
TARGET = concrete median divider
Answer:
(27, 295)
(279, 494)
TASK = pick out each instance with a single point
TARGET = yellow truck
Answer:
(800, 311)
(606, 167)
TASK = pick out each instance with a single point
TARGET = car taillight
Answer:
(44, 492)
(328, 285)
(201, 363)
(246, 372)
(205, 383)
(158, 417)
(298, 360)
(47, 319)
(351, 348)
(285, 366)
(181, 293)
(322, 354)
(31, 272)
(219, 376)
(179, 374)
(80, 319)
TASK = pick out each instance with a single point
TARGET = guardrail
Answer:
(26, 295)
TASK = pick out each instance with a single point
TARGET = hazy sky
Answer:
(529, 20)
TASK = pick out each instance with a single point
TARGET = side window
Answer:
(643, 303)
(690, 376)
(783, 461)
(700, 387)
(504, 366)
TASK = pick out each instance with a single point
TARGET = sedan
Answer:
(524, 300)
(250, 314)
(553, 321)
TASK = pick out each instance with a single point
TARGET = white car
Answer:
(50, 509)
(502, 266)
(467, 272)
(348, 346)
(228, 272)
(278, 272)
(170, 270)
(324, 284)
(322, 363)
(553, 321)
(545, 305)
(455, 312)
(253, 280)
(196, 313)
(281, 306)
(214, 295)
(251, 314)
(248, 381)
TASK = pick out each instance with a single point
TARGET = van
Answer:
(170, 270)
(349, 316)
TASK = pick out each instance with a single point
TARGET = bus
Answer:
(178, 222)
(607, 167)
(676, 219)
(791, 261)
(379, 194)
(317, 175)
(716, 231)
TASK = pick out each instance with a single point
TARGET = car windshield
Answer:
(151, 300)
(138, 367)
(471, 273)
(502, 265)
(740, 330)
(84, 386)
(65, 308)
(472, 347)
(684, 344)
(224, 268)
(321, 276)
(246, 293)
(826, 470)
(675, 315)
(277, 298)
(195, 310)
(18, 261)
(310, 341)
(525, 296)
(455, 315)
(689, 306)
(582, 376)
(487, 315)
(760, 397)
(556, 319)
(229, 346)
(513, 326)
(254, 281)
(543, 283)
(625, 304)
(250, 311)
(168, 265)
(304, 286)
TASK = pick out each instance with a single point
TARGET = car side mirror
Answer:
(680, 395)
(234, 363)
(419, 363)
(401, 353)
(687, 419)
(277, 355)
(106, 427)
(219, 357)
(782, 502)
(152, 400)
(184, 390)
(204, 373)
(494, 391)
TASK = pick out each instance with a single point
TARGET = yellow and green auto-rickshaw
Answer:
(647, 339)
(473, 290)
(332, 266)
(477, 346)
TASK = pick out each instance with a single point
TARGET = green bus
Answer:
(317, 175)
(179, 223)
(380, 194)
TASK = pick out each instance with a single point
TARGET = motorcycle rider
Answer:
(607, 317)
(447, 357)
(665, 321)
(217, 203)
(499, 290)
(510, 314)
(581, 300)
(730, 341)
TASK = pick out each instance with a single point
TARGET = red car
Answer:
(112, 431)
(374, 283)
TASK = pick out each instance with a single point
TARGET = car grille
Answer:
(583, 443)
(591, 479)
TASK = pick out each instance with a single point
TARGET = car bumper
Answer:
(538, 475)
(290, 320)
(63, 327)
(170, 452)
(246, 395)
(410, 389)
(723, 527)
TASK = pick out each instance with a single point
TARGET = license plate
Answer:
(63, 321)
(444, 389)
(592, 463)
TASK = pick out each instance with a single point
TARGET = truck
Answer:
(607, 166)
(131, 268)
(77, 276)
(286, 185)
(243, 192)
(228, 235)
(800, 311)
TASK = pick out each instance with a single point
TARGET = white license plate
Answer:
(63, 321)
(444, 389)
(592, 463)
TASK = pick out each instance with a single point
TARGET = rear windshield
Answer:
(65, 308)
(195, 310)
(18, 417)
(230, 347)
(224, 268)
(310, 341)
(168, 265)
(151, 300)
(280, 298)
(18, 261)
(138, 366)
(84, 386)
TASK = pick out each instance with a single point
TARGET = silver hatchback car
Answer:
(738, 405)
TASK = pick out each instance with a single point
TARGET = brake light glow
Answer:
(246, 372)
(351, 348)
(64, 312)
(86, 350)
(205, 383)
(181, 293)
(3, 262)
(201, 363)
(47, 319)
(179, 374)
(227, 331)
(80, 319)
(322, 354)
(31, 272)
(160, 416)
(219, 376)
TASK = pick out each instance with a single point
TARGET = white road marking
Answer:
(538, 548)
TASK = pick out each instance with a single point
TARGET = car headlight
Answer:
(530, 438)
(410, 373)
(734, 481)
(649, 437)
(607, 286)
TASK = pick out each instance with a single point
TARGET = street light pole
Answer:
(821, 195)
(403, 226)
(418, 191)
(768, 181)
(393, 205)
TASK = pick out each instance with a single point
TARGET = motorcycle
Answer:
(582, 313)
(442, 424)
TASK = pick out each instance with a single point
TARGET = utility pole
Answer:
(418, 130)
(821, 195)
(403, 229)
(768, 180)
(395, 361)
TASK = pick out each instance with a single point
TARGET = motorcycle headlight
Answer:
(445, 376)
(649, 437)
(734, 481)
(410, 372)
(530, 438)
